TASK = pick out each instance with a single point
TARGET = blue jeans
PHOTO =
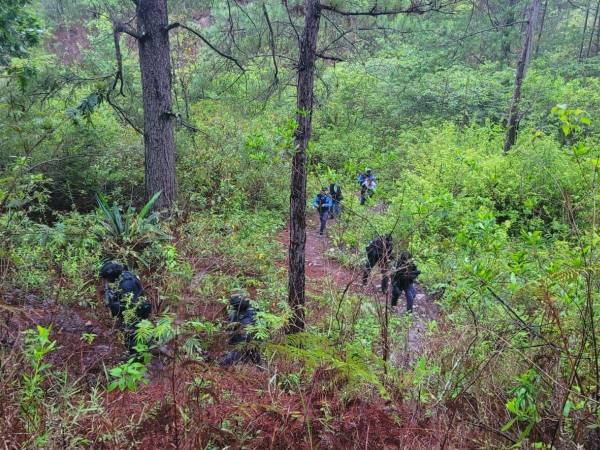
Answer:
(410, 291)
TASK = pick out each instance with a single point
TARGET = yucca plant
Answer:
(127, 233)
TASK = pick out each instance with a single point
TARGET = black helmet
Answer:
(111, 271)
(239, 302)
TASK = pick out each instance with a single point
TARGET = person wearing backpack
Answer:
(379, 251)
(335, 192)
(403, 280)
(126, 302)
(367, 183)
(241, 316)
(323, 203)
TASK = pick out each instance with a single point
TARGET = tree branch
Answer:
(272, 45)
(120, 27)
(203, 39)
(414, 8)
(329, 57)
(119, 58)
(121, 114)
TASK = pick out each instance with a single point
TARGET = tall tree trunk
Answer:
(593, 29)
(597, 43)
(539, 36)
(306, 76)
(513, 116)
(155, 68)
(585, 24)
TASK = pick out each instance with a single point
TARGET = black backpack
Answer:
(336, 192)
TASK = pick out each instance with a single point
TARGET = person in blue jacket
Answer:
(323, 203)
(366, 180)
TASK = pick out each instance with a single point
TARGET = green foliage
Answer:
(507, 242)
(128, 375)
(523, 405)
(128, 233)
(354, 366)
(19, 28)
(37, 346)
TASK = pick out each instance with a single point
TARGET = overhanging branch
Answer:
(206, 41)
(415, 7)
(328, 57)
(272, 45)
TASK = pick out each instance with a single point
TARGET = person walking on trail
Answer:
(367, 183)
(335, 192)
(126, 302)
(241, 316)
(323, 203)
(403, 280)
(379, 251)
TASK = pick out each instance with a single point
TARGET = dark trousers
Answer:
(364, 194)
(410, 291)
(247, 356)
(323, 217)
(142, 312)
(336, 210)
(372, 259)
(363, 191)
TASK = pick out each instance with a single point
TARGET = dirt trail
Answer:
(323, 272)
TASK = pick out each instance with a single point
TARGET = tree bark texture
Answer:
(302, 134)
(539, 36)
(513, 116)
(585, 25)
(155, 68)
(589, 49)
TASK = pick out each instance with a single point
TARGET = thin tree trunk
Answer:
(306, 75)
(585, 23)
(508, 24)
(597, 43)
(513, 116)
(593, 29)
(539, 36)
(155, 68)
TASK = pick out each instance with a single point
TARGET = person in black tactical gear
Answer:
(335, 192)
(379, 251)
(126, 302)
(241, 315)
(403, 280)
(323, 203)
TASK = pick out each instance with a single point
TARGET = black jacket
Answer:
(405, 273)
(381, 246)
(243, 317)
(129, 286)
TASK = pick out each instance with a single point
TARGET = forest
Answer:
(299, 224)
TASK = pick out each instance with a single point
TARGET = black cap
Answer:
(239, 302)
(111, 271)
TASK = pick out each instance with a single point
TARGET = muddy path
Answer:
(324, 273)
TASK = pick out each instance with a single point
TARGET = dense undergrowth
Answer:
(507, 245)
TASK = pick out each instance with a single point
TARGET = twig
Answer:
(207, 42)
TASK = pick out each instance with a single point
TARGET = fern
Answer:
(573, 273)
(356, 367)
